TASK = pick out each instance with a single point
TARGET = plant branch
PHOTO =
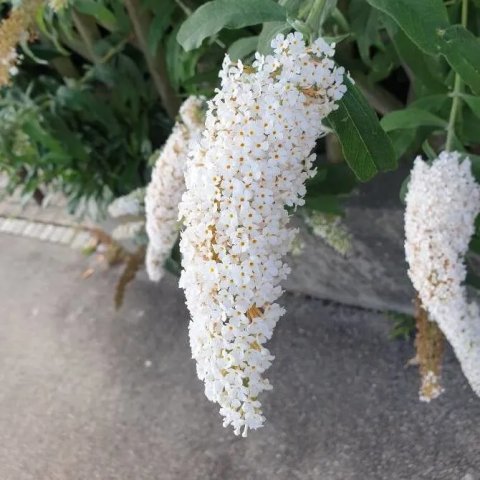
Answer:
(457, 90)
(141, 21)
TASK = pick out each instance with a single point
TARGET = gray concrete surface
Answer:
(372, 275)
(87, 393)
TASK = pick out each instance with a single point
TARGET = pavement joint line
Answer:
(74, 235)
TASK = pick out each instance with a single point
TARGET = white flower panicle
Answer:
(131, 204)
(253, 160)
(442, 203)
(168, 184)
(331, 230)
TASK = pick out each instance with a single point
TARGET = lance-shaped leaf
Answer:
(366, 147)
(243, 47)
(411, 118)
(426, 23)
(419, 19)
(212, 17)
(462, 50)
(473, 103)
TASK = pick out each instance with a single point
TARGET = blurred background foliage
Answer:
(101, 81)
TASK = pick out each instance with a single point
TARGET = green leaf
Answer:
(213, 16)
(382, 64)
(37, 133)
(339, 180)
(366, 147)
(318, 14)
(97, 10)
(419, 19)
(475, 162)
(242, 47)
(158, 26)
(462, 50)
(472, 278)
(411, 118)
(70, 140)
(429, 151)
(173, 267)
(473, 103)
(44, 28)
(432, 103)
(404, 326)
(468, 128)
(426, 23)
(365, 26)
(426, 69)
(475, 244)
(324, 203)
(318, 179)
(180, 63)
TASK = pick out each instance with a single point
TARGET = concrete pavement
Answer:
(87, 393)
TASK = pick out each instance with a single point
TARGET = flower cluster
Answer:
(132, 204)
(331, 230)
(167, 186)
(13, 30)
(442, 203)
(253, 160)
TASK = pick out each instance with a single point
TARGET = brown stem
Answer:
(429, 343)
(141, 22)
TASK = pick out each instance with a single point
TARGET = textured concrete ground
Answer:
(87, 393)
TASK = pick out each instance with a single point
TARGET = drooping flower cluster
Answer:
(442, 203)
(13, 30)
(132, 204)
(331, 230)
(168, 184)
(253, 160)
